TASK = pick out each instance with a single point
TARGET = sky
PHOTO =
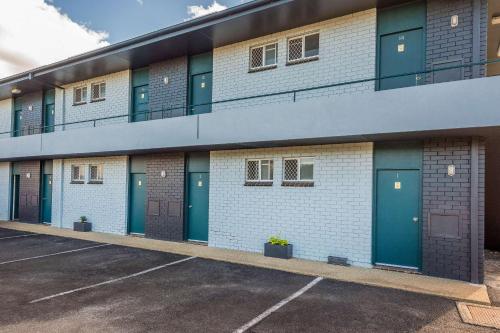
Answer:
(39, 32)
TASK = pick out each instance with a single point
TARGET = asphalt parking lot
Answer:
(55, 284)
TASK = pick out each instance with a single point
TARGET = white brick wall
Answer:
(105, 204)
(115, 104)
(332, 218)
(347, 53)
(4, 190)
(5, 117)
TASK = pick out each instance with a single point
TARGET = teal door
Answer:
(18, 122)
(16, 185)
(137, 210)
(398, 218)
(201, 93)
(46, 198)
(401, 53)
(49, 118)
(141, 103)
(198, 206)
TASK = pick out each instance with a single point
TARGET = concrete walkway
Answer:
(455, 290)
(492, 275)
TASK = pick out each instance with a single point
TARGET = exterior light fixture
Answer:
(30, 107)
(16, 91)
(28, 175)
(498, 51)
(454, 21)
(165, 80)
(495, 20)
(163, 174)
(451, 170)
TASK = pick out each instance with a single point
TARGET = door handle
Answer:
(415, 219)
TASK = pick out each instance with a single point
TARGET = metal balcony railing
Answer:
(451, 73)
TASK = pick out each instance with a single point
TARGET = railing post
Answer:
(294, 96)
(94, 122)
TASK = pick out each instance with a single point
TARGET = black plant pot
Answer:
(278, 251)
(82, 226)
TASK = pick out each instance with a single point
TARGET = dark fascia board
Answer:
(247, 21)
(137, 41)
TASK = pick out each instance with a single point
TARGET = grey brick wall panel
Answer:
(444, 195)
(172, 95)
(168, 222)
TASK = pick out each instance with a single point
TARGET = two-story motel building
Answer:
(288, 118)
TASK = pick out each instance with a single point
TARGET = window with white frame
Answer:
(298, 169)
(79, 95)
(265, 56)
(77, 173)
(259, 170)
(98, 91)
(96, 173)
(303, 47)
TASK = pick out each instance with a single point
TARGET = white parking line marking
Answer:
(110, 281)
(19, 236)
(276, 307)
(53, 254)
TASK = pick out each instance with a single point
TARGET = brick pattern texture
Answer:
(105, 205)
(333, 218)
(4, 191)
(447, 43)
(5, 117)
(29, 191)
(32, 119)
(169, 192)
(170, 98)
(442, 194)
(347, 52)
(115, 104)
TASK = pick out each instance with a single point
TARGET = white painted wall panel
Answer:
(347, 53)
(333, 218)
(105, 205)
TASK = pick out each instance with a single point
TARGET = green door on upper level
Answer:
(398, 218)
(46, 198)
(201, 93)
(137, 206)
(401, 53)
(49, 118)
(49, 111)
(18, 122)
(198, 206)
(140, 103)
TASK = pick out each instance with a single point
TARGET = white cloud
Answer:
(35, 33)
(197, 11)
(140, 2)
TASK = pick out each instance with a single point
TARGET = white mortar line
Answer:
(19, 236)
(110, 281)
(53, 254)
(277, 306)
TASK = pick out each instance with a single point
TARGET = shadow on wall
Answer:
(492, 209)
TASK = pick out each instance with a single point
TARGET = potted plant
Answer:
(278, 248)
(82, 225)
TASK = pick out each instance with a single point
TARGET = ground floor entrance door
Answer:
(46, 198)
(137, 207)
(398, 218)
(198, 206)
(16, 182)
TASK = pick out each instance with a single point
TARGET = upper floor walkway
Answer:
(466, 107)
